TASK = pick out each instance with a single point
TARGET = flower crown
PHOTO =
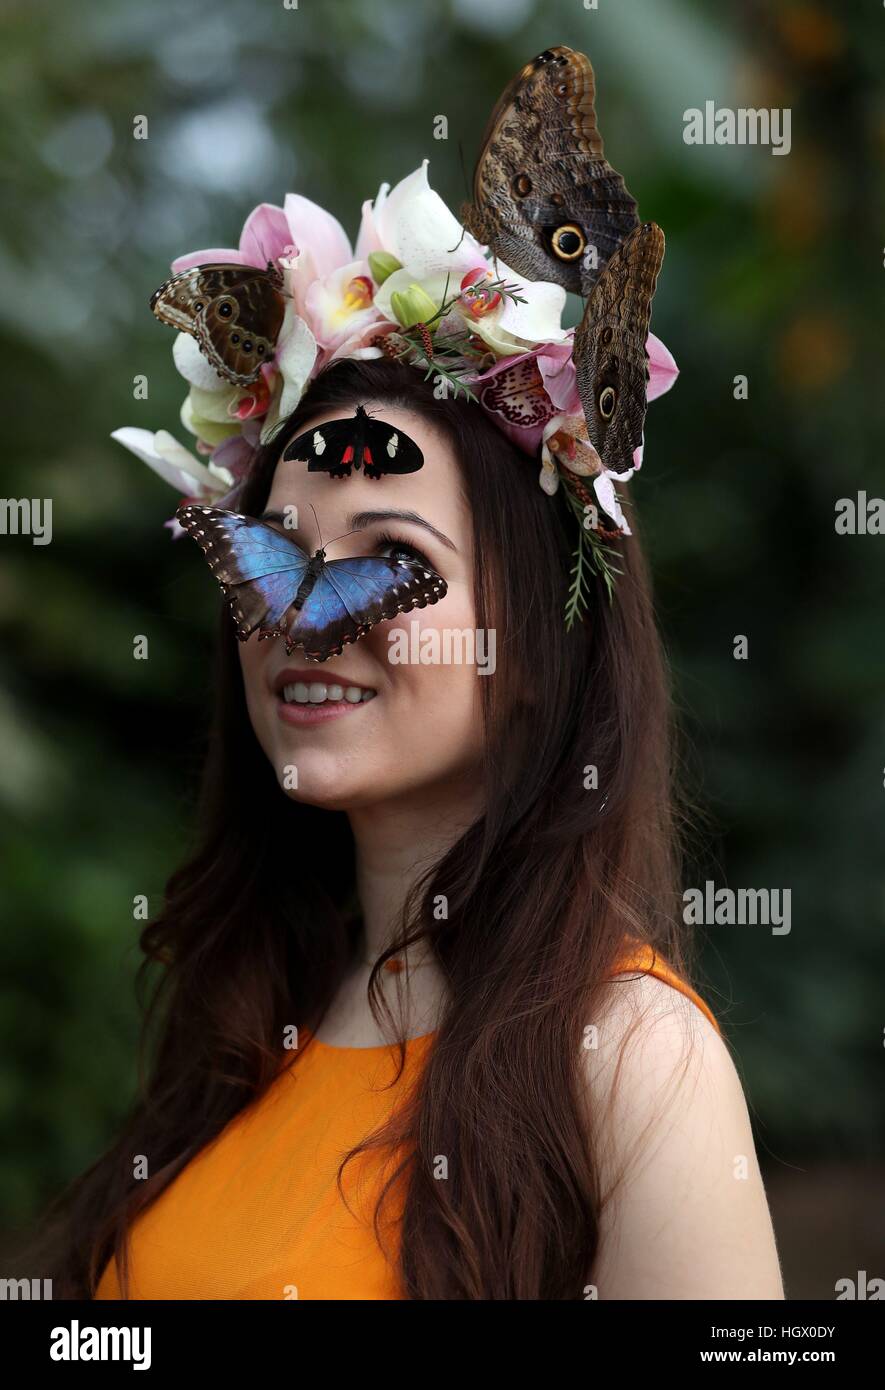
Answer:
(416, 287)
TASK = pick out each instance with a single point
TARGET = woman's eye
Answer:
(401, 550)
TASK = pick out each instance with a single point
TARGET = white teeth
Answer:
(317, 693)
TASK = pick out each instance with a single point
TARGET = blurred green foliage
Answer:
(773, 267)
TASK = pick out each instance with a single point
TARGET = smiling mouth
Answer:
(315, 702)
(323, 693)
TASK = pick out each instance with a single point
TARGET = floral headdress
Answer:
(417, 287)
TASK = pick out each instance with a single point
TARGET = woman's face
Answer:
(420, 732)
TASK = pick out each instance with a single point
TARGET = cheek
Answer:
(434, 690)
(253, 656)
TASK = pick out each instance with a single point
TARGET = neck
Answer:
(397, 843)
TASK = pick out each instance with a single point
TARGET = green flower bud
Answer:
(412, 306)
(382, 264)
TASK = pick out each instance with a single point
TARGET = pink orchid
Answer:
(323, 247)
(521, 405)
(341, 307)
(266, 236)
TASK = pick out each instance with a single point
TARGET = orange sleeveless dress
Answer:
(257, 1213)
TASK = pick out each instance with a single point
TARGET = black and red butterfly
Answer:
(360, 441)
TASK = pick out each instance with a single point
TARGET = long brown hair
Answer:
(254, 935)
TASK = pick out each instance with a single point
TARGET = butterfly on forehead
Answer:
(611, 362)
(235, 312)
(318, 605)
(545, 199)
(359, 441)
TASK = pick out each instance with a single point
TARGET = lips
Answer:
(297, 685)
(304, 699)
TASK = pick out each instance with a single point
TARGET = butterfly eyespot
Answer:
(557, 199)
(260, 349)
(197, 307)
(568, 242)
(522, 185)
(608, 399)
(248, 345)
(614, 364)
(235, 337)
(607, 335)
(225, 310)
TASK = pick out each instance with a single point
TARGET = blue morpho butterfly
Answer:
(316, 604)
(360, 441)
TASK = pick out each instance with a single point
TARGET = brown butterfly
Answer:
(544, 197)
(609, 349)
(235, 312)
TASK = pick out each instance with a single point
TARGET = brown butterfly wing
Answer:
(235, 312)
(609, 349)
(544, 194)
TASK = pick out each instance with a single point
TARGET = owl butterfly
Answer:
(544, 197)
(235, 312)
(611, 362)
(278, 589)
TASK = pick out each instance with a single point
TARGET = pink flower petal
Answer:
(367, 239)
(662, 368)
(526, 437)
(317, 234)
(235, 454)
(265, 235)
(215, 253)
(557, 368)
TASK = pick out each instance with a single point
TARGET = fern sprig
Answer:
(592, 556)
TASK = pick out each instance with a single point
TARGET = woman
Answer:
(480, 867)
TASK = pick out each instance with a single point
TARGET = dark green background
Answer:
(774, 270)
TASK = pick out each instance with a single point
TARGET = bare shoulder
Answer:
(684, 1212)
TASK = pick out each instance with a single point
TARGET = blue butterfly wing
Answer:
(258, 568)
(351, 596)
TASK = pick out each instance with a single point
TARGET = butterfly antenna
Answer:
(317, 520)
(272, 264)
(467, 192)
(344, 536)
(463, 169)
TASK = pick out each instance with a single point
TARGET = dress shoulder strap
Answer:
(639, 957)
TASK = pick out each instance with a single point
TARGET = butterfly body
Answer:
(315, 566)
(545, 199)
(611, 361)
(360, 441)
(277, 589)
(235, 312)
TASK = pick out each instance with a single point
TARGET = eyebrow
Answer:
(360, 520)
